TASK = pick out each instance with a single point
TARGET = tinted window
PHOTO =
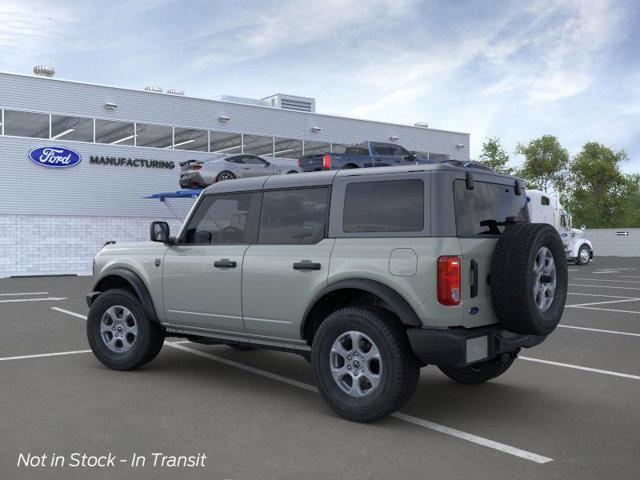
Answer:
(390, 206)
(381, 150)
(397, 151)
(544, 200)
(236, 159)
(26, 124)
(294, 216)
(220, 219)
(484, 210)
(252, 160)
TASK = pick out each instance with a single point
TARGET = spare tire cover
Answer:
(529, 278)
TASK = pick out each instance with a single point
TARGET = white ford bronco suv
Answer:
(370, 274)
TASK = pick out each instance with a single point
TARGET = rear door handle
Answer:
(474, 279)
(224, 263)
(306, 265)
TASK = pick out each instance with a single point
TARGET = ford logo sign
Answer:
(56, 157)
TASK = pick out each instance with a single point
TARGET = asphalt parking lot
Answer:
(569, 408)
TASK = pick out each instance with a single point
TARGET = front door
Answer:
(254, 166)
(202, 272)
(290, 262)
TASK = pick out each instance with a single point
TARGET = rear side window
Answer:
(386, 206)
(485, 209)
(294, 216)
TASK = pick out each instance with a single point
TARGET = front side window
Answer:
(485, 209)
(381, 150)
(221, 219)
(397, 151)
(294, 216)
(385, 206)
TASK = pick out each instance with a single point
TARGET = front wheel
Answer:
(583, 255)
(363, 364)
(119, 332)
(222, 176)
(480, 372)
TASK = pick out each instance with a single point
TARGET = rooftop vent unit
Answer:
(175, 91)
(44, 71)
(292, 102)
(153, 88)
(422, 124)
(244, 100)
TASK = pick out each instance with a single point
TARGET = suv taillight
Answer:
(449, 280)
(326, 161)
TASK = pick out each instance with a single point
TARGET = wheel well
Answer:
(332, 301)
(351, 165)
(114, 281)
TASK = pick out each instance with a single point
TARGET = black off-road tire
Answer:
(512, 278)
(149, 340)
(480, 372)
(399, 372)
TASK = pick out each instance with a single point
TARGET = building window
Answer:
(26, 124)
(157, 136)
(399, 206)
(312, 147)
(72, 128)
(544, 200)
(190, 139)
(114, 133)
(287, 148)
(293, 216)
(225, 142)
(258, 145)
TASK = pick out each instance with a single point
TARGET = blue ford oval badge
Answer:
(56, 157)
(474, 310)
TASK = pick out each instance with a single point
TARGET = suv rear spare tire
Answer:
(529, 278)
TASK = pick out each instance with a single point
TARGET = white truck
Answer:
(545, 208)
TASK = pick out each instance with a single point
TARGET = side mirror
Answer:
(159, 232)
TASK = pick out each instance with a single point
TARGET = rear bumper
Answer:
(192, 179)
(459, 347)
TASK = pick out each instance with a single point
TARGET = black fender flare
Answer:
(397, 303)
(132, 279)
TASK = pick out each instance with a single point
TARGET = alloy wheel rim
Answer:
(584, 255)
(118, 329)
(544, 279)
(355, 364)
(225, 176)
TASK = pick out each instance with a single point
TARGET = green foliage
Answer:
(599, 192)
(545, 165)
(494, 156)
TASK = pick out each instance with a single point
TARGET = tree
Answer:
(494, 156)
(545, 164)
(600, 193)
(631, 215)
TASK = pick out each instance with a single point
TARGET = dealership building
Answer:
(117, 146)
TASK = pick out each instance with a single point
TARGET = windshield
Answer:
(485, 209)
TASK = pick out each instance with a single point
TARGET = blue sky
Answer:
(515, 70)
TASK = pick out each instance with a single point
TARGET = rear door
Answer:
(290, 262)
(480, 215)
(382, 155)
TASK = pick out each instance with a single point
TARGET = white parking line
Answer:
(485, 442)
(23, 293)
(609, 310)
(41, 355)
(633, 299)
(628, 276)
(605, 286)
(62, 310)
(600, 330)
(605, 280)
(47, 299)
(534, 457)
(596, 295)
(578, 367)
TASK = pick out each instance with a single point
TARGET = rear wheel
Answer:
(480, 372)
(225, 175)
(583, 255)
(291, 172)
(120, 334)
(363, 364)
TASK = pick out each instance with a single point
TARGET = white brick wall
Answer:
(53, 245)
(607, 242)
